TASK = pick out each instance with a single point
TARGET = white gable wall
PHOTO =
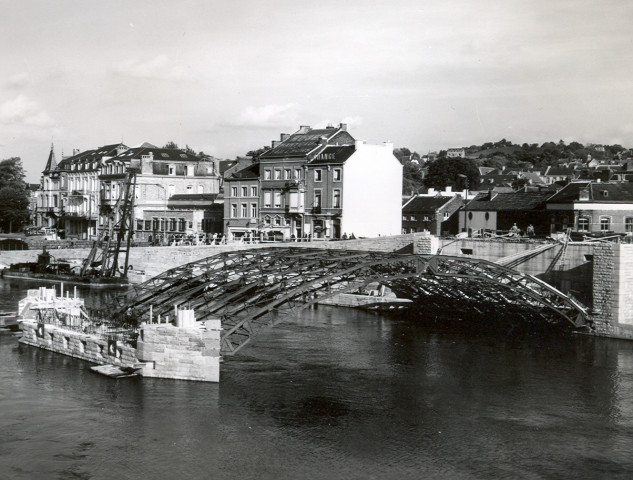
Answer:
(372, 193)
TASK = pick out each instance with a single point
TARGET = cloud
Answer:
(19, 80)
(268, 116)
(24, 111)
(160, 67)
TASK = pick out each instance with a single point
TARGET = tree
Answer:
(171, 146)
(14, 207)
(258, 152)
(412, 178)
(446, 172)
(12, 173)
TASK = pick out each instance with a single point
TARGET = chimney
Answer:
(284, 136)
(76, 151)
(448, 189)
(304, 129)
(274, 143)
(431, 191)
(343, 126)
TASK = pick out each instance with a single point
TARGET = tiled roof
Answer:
(247, 171)
(598, 192)
(89, 159)
(509, 201)
(51, 164)
(425, 204)
(165, 154)
(306, 140)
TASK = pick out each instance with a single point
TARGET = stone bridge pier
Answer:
(612, 312)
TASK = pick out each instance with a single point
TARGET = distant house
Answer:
(456, 153)
(553, 174)
(435, 214)
(592, 207)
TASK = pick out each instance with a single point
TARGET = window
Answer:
(297, 173)
(267, 174)
(605, 224)
(426, 218)
(404, 217)
(277, 173)
(337, 174)
(267, 199)
(317, 199)
(148, 225)
(277, 199)
(172, 170)
(446, 215)
(244, 210)
(245, 191)
(173, 225)
(139, 224)
(253, 191)
(267, 220)
(181, 224)
(234, 210)
(336, 203)
(287, 174)
(253, 210)
(583, 224)
(277, 221)
(318, 175)
(628, 225)
(234, 191)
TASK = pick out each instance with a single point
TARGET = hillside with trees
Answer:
(439, 171)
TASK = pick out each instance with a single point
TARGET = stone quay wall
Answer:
(77, 344)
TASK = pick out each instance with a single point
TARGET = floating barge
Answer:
(47, 270)
(185, 349)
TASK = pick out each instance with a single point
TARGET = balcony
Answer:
(299, 209)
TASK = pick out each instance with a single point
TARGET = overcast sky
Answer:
(226, 77)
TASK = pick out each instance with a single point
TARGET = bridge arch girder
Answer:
(249, 289)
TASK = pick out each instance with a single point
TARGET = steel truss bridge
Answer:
(253, 290)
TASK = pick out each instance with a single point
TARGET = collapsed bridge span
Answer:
(253, 290)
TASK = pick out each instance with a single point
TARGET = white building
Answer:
(372, 191)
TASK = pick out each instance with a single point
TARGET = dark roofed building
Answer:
(495, 212)
(435, 214)
(593, 207)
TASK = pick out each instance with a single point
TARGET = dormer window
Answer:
(584, 194)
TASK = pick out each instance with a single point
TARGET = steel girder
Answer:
(251, 290)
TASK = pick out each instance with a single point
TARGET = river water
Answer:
(333, 394)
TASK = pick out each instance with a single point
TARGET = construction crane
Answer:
(116, 236)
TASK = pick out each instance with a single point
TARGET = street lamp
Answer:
(465, 203)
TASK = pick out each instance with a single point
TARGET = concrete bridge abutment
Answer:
(612, 312)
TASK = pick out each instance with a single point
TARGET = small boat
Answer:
(115, 371)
